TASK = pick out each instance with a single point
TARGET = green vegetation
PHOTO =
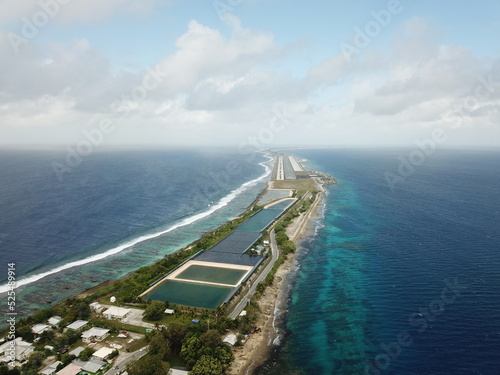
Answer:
(285, 245)
(154, 310)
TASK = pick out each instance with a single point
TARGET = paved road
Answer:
(124, 359)
(244, 301)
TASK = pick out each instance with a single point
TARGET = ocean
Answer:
(400, 277)
(111, 213)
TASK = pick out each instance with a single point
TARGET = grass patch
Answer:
(301, 184)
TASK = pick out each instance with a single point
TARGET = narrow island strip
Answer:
(209, 304)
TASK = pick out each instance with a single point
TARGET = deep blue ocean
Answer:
(399, 281)
(114, 212)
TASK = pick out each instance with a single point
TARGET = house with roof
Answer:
(103, 353)
(92, 367)
(97, 307)
(20, 348)
(76, 352)
(116, 312)
(71, 369)
(77, 325)
(38, 329)
(230, 339)
(95, 333)
(50, 369)
(55, 320)
(177, 371)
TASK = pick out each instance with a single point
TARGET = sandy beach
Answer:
(257, 347)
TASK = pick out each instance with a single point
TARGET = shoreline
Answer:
(123, 245)
(257, 348)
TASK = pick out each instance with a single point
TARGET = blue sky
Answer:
(417, 66)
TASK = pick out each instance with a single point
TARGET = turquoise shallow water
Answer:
(398, 281)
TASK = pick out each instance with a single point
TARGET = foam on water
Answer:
(186, 221)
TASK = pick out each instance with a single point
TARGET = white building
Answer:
(77, 325)
(230, 339)
(116, 312)
(169, 311)
(21, 348)
(55, 320)
(95, 333)
(97, 307)
(174, 371)
(38, 329)
(103, 353)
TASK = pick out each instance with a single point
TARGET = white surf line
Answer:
(4, 288)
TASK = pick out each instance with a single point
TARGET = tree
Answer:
(288, 247)
(175, 333)
(225, 355)
(159, 344)
(35, 360)
(281, 237)
(211, 338)
(154, 311)
(191, 350)
(148, 365)
(26, 333)
(86, 354)
(207, 365)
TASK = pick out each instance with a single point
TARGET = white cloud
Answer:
(12, 11)
(220, 89)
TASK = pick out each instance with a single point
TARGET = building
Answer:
(21, 348)
(95, 334)
(103, 353)
(175, 371)
(169, 311)
(38, 329)
(97, 307)
(116, 312)
(93, 366)
(71, 369)
(55, 320)
(77, 325)
(50, 369)
(230, 339)
(76, 352)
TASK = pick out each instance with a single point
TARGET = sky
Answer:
(234, 73)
